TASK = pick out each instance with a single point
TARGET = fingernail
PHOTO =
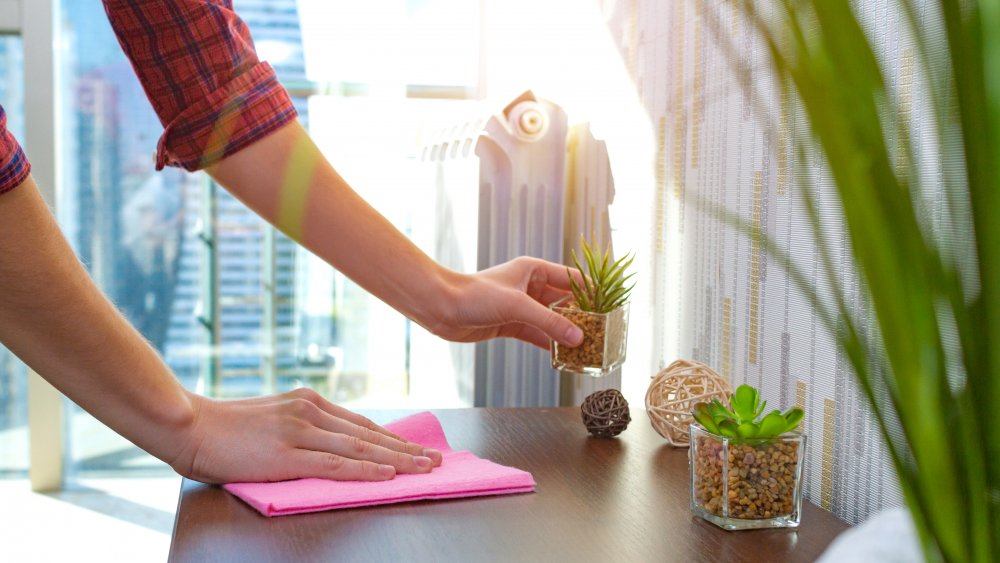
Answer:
(387, 471)
(432, 453)
(574, 335)
(423, 462)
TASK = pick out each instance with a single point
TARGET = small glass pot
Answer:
(604, 339)
(746, 483)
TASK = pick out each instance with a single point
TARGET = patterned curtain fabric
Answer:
(717, 297)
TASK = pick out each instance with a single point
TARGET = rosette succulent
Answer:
(740, 419)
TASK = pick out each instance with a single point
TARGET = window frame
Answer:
(36, 23)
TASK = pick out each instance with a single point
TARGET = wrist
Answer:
(183, 433)
(437, 304)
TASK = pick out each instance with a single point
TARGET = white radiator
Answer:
(521, 182)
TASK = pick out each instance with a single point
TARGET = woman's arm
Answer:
(223, 110)
(286, 180)
(56, 320)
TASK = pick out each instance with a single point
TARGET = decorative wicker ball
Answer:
(675, 390)
(605, 413)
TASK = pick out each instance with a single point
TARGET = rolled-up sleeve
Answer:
(14, 166)
(197, 63)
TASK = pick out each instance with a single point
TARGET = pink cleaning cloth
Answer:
(461, 474)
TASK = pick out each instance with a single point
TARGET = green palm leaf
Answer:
(921, 290)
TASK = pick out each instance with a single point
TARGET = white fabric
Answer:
(886, 537)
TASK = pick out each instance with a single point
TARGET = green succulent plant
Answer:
(603, 288)
(740, 419)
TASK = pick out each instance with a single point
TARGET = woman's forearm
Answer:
(314, 205)
(286, 180)
(55, 319)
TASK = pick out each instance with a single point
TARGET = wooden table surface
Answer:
(618, 499)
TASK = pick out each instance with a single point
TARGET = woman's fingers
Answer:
(365, 443)
(543, 272)
(336, 419)
(309, 406)
(537, 284)
(355, 448)
(366, 424)
(554, 325)
(526, 333)
(325, 465)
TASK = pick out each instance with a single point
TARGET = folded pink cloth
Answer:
(461, 474)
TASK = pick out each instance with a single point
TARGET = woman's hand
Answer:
(290, 436)
(509, 300)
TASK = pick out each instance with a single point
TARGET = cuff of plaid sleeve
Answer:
(15, 169)
(245, 110)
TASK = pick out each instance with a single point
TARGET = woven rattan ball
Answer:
(605, 413)
(675, 390)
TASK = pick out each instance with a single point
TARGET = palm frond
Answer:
(948, 458)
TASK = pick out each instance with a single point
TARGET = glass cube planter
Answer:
(747, 483)
(604, 339)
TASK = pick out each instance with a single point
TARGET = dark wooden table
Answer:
(619, 499)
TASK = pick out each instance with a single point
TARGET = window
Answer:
(235, 308)
(132, 227)
(285, 318)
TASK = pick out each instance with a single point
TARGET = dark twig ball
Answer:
(605, 413)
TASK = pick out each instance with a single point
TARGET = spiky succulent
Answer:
(740, 420)
(603, 287)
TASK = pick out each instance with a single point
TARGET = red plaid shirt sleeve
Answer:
(198, 66)
(14, 166)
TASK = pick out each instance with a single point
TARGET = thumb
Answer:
(554, 325)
